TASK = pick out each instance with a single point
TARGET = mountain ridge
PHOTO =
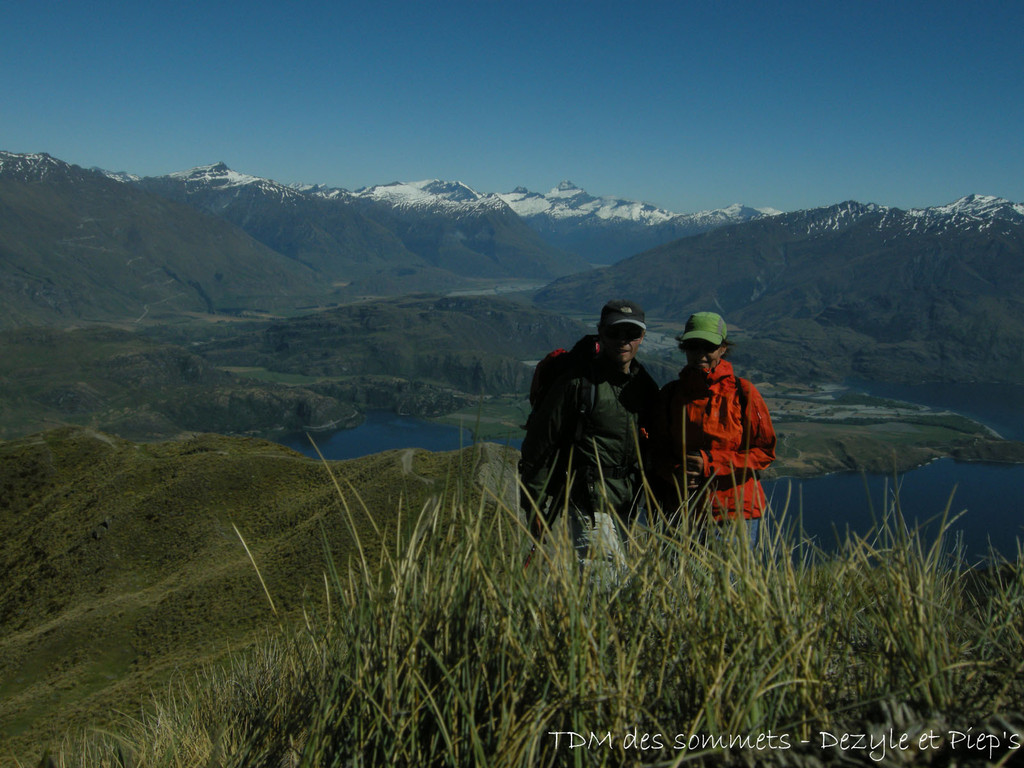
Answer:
(79, 246)
(389, 239)
(565, 205)
(604, 229)
(844, 277)
(562, 191)
(849, 289)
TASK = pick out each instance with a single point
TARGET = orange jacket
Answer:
(708, 412)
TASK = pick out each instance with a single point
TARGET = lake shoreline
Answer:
(824, 430)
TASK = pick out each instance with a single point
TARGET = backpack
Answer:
(554, 365)
(558, 363)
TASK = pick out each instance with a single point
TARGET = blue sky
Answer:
(689, 106)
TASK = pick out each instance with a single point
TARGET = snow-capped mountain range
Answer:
(567, 208)
(79, 245)
(432, 194)
(849, 290)
(37, 166)
(563, 202)
(219, 177)
(568, 203)
(604, 229)
(600, 229)
(971, 212)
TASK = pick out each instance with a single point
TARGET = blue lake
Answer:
(383, 431)
(989, 496)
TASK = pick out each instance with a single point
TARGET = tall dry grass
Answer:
(444, 650)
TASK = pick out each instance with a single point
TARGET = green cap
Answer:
(705, 325)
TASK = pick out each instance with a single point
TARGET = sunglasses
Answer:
(698, 346)
(619, 333)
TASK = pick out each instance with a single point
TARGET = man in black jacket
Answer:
(584, 440)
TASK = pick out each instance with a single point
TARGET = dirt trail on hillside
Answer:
(406, 461)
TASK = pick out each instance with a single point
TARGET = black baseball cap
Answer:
(619, 311)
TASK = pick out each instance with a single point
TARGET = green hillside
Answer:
(440, 648)
(123, 569)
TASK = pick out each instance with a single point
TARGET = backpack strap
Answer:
(742, 387)
(587, 395)
(743, 390)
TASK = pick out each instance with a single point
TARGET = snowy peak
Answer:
(206, 179)
(973, 212)
(526, 203)
(321, 190)
(832, 218)
(606, 229)
(455, 191)
(39, 166)
(974, 207)
(36, 167)
(120, 176)
(216, 175)
(720, 217)
(431, 194)
(566, 190)
(567, 201)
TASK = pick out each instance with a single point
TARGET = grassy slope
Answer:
(122, 567)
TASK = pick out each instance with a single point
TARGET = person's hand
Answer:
(694, 469)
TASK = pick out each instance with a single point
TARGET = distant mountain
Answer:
(382, 240)
(606, 229)
(125, 383)
(86, 244)
(850, 289)
(340, 245)
(76, 245)
(427, 230)
(432, 195)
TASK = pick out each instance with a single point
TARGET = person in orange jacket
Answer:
(714, 433)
